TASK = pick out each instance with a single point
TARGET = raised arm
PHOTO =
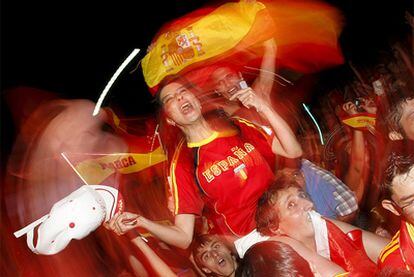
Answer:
(284, 142)
(354, 177)
(264, 83)
(180, 234)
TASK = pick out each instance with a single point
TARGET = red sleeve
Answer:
(259, 138)
(187, 199)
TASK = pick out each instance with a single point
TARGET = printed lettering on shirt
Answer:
(207, 174)
(240, 153)
(249, 148)
(221, 166)
(232, 161)
(216, 170)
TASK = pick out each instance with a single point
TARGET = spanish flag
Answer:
(306, 35)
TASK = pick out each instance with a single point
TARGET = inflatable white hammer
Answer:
(73, 217)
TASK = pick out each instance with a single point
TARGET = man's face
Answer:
(226, 81)
(217, 258)
(407, 118)
(180, 105)
(403, 194)
(294, 206)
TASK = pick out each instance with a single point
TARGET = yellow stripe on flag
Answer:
(94, 171)
(360, 121)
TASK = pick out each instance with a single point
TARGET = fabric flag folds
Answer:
(306, 35)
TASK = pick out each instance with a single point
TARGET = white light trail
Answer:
(108, 86)
(316, 123)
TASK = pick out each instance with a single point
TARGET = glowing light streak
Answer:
(112, 80)
(316, 123)
(270, 72)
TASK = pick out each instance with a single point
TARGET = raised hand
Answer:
(369, 105)
(350, 108)
(249, 99)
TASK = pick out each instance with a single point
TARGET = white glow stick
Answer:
(108, 86)
(314, 121)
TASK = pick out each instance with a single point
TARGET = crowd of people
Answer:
(250, 189)
(298, 217)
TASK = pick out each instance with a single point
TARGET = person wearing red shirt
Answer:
(233, 186)
(399, 183)
(284, 210)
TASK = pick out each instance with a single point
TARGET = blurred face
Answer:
(294, 220)
(407, 118)
(403, 194)
(76, 130)
(216, 258)
(295, 174)
(226, 81)
(180, 104)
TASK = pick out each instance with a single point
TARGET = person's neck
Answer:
(310, 243)
(197, 132)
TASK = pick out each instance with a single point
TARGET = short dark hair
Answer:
(273, 258)
(198, 242)
(397, 164)
(391, 108)
(168, 80)
(267, 216)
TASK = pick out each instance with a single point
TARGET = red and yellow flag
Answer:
(306, 35)
(360, 121)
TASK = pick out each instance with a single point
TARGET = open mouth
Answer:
(186, 107)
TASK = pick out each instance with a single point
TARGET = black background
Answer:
(73, 47)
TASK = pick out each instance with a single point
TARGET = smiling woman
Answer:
(183, 109)
(240, 156)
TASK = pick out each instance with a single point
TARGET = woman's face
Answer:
(180, 104)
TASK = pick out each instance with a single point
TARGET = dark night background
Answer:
(73, 47)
